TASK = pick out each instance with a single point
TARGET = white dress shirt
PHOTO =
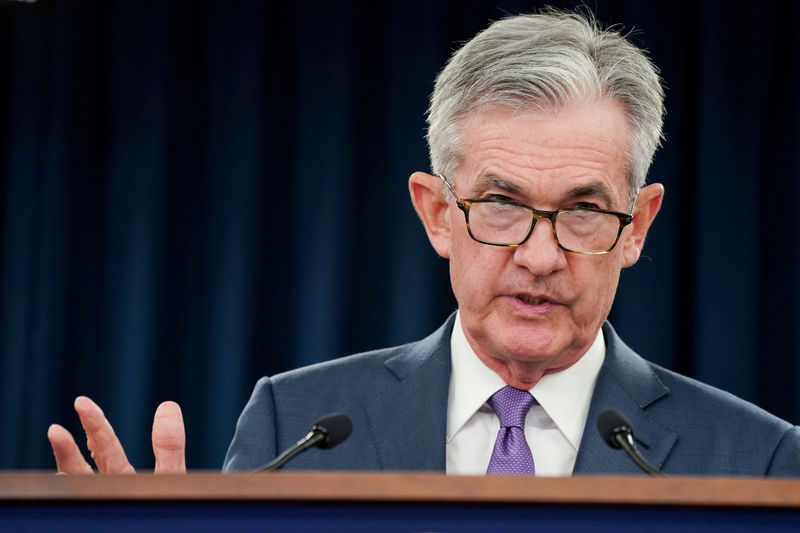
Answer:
(553, 428)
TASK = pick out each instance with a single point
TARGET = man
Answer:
(541, 131)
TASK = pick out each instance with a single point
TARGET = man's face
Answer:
(536, 309)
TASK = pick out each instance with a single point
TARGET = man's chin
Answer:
(530, 347)
(531, 340)
(535, 337)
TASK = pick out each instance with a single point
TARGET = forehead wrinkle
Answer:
(545, 158)
(571, 156)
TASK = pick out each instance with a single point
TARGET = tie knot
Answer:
(511, 406)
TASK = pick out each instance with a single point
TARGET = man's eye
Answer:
(585, 205)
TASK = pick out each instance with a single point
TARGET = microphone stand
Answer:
(625, 441)
(312, 439)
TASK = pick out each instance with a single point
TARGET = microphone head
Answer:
(335, 428)
(610, 423)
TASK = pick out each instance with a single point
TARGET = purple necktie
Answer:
(511, 454)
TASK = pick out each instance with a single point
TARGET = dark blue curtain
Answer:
(195, 194)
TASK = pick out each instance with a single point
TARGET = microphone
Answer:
(326, 432)
(617, 432)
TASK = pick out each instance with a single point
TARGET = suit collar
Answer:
(628, 384)
(414, 403)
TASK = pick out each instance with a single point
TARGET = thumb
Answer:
(169, 439)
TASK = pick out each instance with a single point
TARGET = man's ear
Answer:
(432, 208)
(647, 205)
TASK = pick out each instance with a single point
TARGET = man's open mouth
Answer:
(532, 300)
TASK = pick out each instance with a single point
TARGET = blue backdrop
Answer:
(195, 194)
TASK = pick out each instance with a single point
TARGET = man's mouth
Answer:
(532, 300)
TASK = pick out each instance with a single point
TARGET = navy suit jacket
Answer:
(397, 400)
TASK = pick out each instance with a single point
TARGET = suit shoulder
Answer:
(393, 363)
(685, 402)
(369, 362)
(714, 406)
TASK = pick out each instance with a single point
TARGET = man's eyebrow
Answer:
(594, 189)
(491, 181)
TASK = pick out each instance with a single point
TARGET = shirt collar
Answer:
(565, 396)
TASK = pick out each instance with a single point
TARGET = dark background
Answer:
(194, 194)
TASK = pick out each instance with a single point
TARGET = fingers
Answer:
(169, 439)
(69, 459)
(169, 442)
(107, 452)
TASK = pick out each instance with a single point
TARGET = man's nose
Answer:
(540, 253)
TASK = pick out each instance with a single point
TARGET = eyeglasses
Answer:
(508, 223)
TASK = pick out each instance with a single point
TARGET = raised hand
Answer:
(169, 442)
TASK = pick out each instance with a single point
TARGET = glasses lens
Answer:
(499, 223)
(587, 231)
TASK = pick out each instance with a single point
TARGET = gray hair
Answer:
(540, 62)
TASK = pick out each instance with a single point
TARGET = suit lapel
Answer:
(628, 384)
(408, 416)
